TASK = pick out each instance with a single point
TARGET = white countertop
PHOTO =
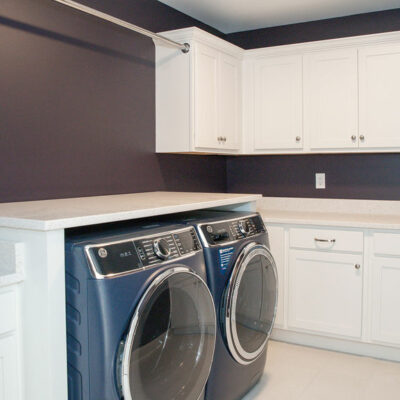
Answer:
(373, 214)
(66, 213)
(331, 219)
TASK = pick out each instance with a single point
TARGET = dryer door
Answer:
(250, 303)
(169, 348)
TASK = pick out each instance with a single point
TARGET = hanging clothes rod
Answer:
(184, 47)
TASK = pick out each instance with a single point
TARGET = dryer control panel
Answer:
(222, 232)
(120, 257)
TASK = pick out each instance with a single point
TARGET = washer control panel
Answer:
(232, 230)
(137, 253)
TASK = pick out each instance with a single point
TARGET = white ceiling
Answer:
(241, 15)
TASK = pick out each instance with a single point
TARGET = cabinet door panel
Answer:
(229, 101)
(8, 369)
(206, 97)
(278, 108)
(331, 99)
(380, 96)
(386, 300)
(325, 292)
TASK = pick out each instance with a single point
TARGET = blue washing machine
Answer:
(242, 278)
(141, 321)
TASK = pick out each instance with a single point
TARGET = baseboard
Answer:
(344, 346)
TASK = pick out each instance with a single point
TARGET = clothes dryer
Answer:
(141, 321)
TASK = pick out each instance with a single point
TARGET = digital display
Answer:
(116, 258)
(187, 240)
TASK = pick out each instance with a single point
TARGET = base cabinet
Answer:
(325, 292)
(9, 361)
(9, 385)
(339, 288)
(386, 300)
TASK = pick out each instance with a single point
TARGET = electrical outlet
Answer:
(320, 181)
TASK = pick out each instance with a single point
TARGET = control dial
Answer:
(162, 249)
(244, 227)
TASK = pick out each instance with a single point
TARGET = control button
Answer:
(244, 227)
(141, 253)
(102, 252)
(209, 229)
(162, 249)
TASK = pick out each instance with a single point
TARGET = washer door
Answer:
(169, 348)
(250, 303)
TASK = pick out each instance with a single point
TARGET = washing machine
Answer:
(242, 278)
(141, 322)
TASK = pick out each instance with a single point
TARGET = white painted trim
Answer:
(320, 45)
(341, 345)
(199, 35)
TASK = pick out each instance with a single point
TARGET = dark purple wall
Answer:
(357, 176)
(77, 104)
(348, 176)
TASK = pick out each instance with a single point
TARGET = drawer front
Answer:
(327, 239)
(387, 243)
(8, 311)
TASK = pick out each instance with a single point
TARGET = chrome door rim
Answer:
(237, 351)
(127, 352)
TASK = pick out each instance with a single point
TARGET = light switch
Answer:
(320, 181)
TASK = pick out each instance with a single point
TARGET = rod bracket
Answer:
(186, 49)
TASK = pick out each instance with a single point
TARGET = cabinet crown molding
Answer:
(321, 45)
(201, 36)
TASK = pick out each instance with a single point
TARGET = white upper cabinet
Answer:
(278, 103)
(380, 96)
(198, 95)
(206, 97)
(230, 112)
(331, 99)
(332, 96)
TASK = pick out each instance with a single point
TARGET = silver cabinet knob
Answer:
(353, 137)
(362, 137)
(357, 266)
(298, 138)
(224, 138)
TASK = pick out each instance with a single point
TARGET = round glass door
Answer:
(250, 303)
(169, 348)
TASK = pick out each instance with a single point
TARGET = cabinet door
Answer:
(325, 292)
(229, 101)
(331, 99)
(278, 108)
(386, 300)
(206, 97)
(379, 96)
(276, 236)
(9, 387)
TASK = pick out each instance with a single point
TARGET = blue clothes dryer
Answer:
(242, 278)
(141, 321)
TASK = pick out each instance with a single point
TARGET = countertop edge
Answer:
(64, 223)
(299, 220)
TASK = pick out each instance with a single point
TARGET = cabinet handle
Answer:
(357, 266)
(224, 139)
(353, 137)
(325, 240)
(362, 137)
(298, 138)
(219, 138)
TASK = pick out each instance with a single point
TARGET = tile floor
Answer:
(304, 373)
